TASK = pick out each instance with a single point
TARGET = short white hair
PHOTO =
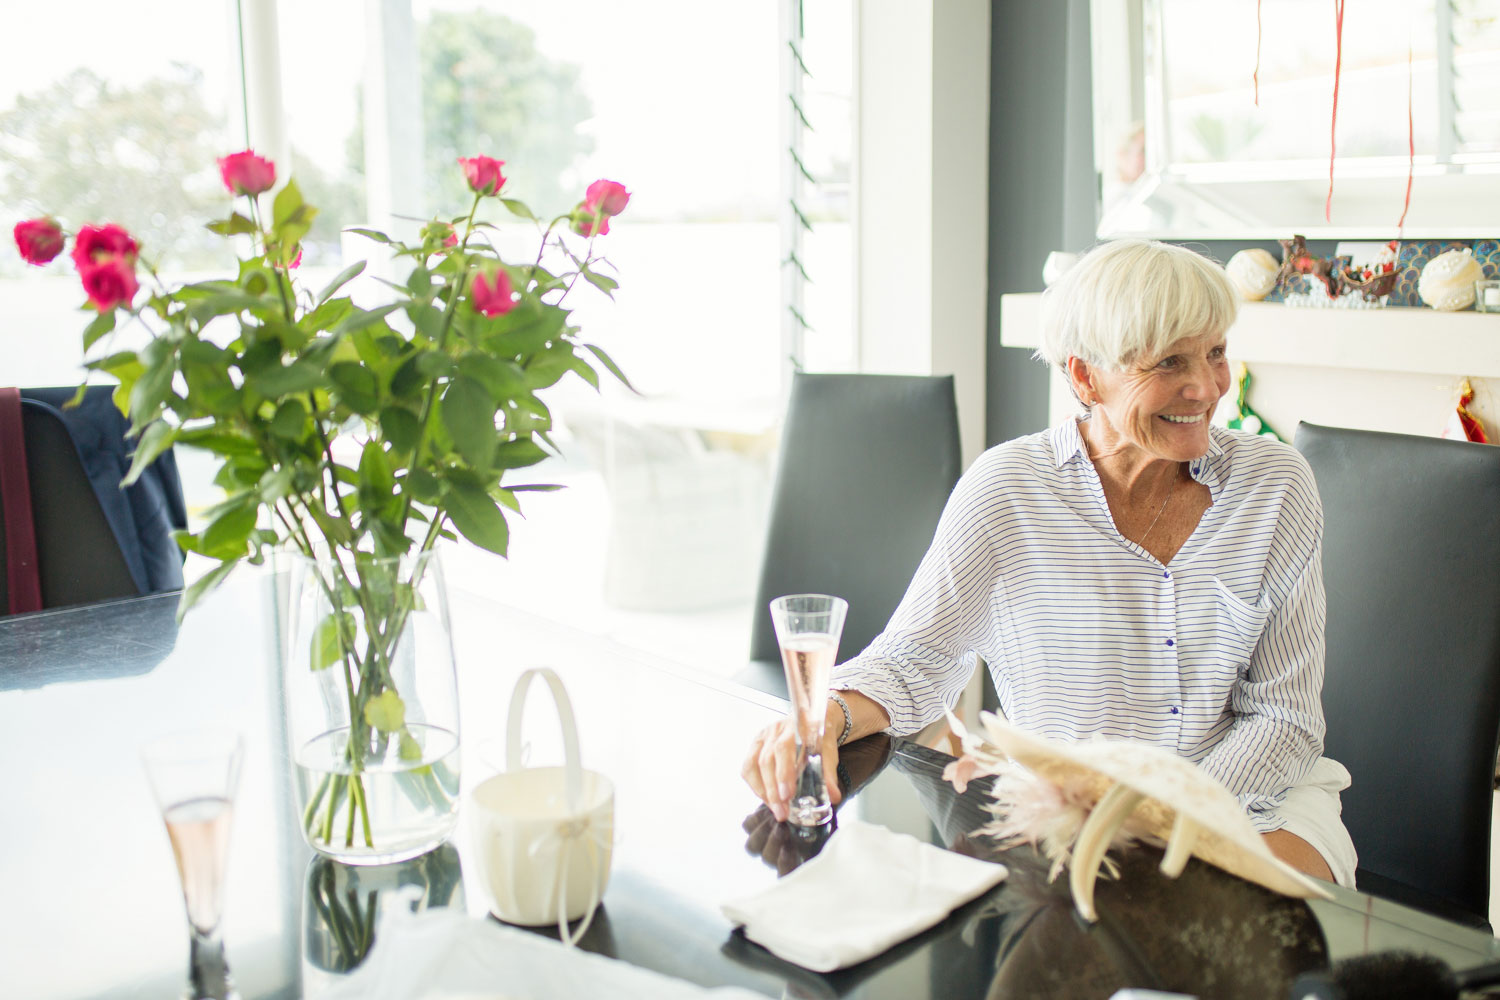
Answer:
(1129, 300)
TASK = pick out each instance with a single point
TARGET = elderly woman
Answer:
(1134, 573)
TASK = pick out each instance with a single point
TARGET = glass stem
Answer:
(208, 971)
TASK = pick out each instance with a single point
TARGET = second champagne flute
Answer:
(808, 627)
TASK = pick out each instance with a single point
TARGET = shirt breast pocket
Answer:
(1238, 625)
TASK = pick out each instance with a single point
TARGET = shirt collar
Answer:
(1067, 445)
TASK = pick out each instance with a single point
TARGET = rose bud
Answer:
(246, 173)
(483, 173)
(109, 282)
(491, 294)
(609, 197)
(96, 243)
(584, 221)
(39, 240)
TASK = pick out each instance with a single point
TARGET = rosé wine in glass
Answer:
(194, 776)
(808, 627)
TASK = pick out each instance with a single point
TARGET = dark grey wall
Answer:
(1042, 187)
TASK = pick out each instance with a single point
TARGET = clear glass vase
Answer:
(372, 705)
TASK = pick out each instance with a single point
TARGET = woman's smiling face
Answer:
(1162, 405)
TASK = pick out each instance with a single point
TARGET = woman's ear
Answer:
(1081, 378)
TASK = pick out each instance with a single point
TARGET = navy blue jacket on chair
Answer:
(141, 516)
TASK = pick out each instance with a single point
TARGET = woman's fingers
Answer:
(770, 768)
(831, 769)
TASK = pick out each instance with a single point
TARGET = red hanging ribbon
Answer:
(1411, 141)
(1256, 75)
(1338, 64)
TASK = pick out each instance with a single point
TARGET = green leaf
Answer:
(526, 329)
(609, 363)
(419, 282)
(371, 234)
(226, 536)
(604, 283)
(288, 202)
(274, 485)
(299, 376)
(203, 585)
(409, 749)
(375, 471)
(345, 276)
(218, 441)
(292, 218)
(503, 379)
(150, 391)
(358, 388)
(468, 413)
(434, 364)
(400, 427)
(235, 225)
(325, 316)
(102, 324)
(428, 320)
(359, 318)
(477, 516)
(291, 420)
(386, 711)
(518, 454)
(518, 208)
(155, 439)
(334, 635)
(423, 486)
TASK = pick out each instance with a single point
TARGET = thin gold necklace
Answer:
(1171, 489)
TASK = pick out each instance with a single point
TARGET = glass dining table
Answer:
(92, 905)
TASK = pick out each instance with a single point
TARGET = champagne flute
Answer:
(808, 627)
(194, 775)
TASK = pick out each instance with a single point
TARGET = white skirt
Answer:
(1311, 811)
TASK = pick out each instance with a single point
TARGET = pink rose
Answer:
(483, 174)
(296, 261)
(39, 240)
(583, 222)
(96, 243)
(491, 294)
(109, 282)
(609, 197)
(451, 240)
(246, 173)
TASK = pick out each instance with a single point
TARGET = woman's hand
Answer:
(770, 767)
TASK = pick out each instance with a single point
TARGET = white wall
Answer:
(921, 182)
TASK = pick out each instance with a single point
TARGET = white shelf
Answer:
(1412, 341)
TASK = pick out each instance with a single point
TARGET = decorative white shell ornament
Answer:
(1253, 273)
(1447, 282)
(1076, 801)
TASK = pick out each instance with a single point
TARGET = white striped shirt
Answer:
(1217, 656)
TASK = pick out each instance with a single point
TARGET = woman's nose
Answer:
(1201, 383)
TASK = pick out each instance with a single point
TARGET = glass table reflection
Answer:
(94, 908)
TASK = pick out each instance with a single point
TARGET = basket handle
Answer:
(565, 717)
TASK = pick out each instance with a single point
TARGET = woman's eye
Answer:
(1169, 363)
(1218, 354)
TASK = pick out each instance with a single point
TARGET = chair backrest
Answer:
(866, 464)
(1411, 564)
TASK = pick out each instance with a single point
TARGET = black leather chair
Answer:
(80, 557)
(866, 465)
(1411, 564)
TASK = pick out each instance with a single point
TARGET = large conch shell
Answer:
(1115, 786)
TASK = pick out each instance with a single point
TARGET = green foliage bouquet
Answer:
(363, 435)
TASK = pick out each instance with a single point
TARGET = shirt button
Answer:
(1174, 709)
(1165, 575)
(1171, 642)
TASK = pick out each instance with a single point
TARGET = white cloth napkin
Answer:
(868, 889)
